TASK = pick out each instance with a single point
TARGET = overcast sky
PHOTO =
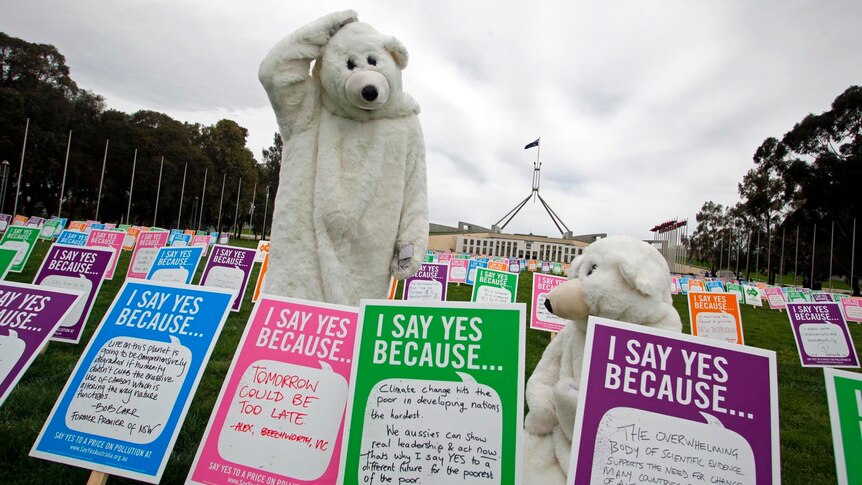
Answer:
(645, 109)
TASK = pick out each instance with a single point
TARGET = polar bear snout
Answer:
(568, 300)
(367, 89)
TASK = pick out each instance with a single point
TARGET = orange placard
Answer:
(715, 316)
(260, 276)
(20, 220)
(393, 286)
(696, 286)
(498, 265)
(77, 226)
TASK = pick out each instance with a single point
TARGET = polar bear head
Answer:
(360, 74)
(618, 277)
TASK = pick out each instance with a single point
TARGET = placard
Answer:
(852, 308)
(5, 220)
(499, 265)
(175, 265)
(437, 394)
(796, 296)
(50, 229)
(715, 316)
(262, 251)
(229, 267)
(202, 240)
(532, 265)
(695, 286)
(752, 295)
(546, 267)
(35, 222)
(76, 268)
(821, 335)
(458, 270)
(736, 289)
(844, 395)
(122, 407)
(429, 283)
(69, 237)
(664, 407)
(515, 265)
(112, 240)
(821, 297)
(22, 240)
(261, 275)
(715, 286)
(30, 316)
(279, 415)
(145, 253)
(674, 285)
(179, 239)
(19, 220)
(473, 265)
(557, 268)
(775, 297)
(541, 318)
(131, 238)
(80, 226)
(494, 286)
(7, 255)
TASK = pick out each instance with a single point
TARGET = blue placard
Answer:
(471, 269)
(683, 285)
(176, 265)
(714, 286)
(123, 405)
(213, 237)
(178, 239)
(72, 238)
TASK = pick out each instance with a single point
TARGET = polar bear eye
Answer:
(592, 268)
(372, 61)
(350, 64)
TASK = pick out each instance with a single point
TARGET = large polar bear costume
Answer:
(618, 277)
(352, 207)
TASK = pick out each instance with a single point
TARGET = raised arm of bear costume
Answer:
(620, 278)
(351, 208)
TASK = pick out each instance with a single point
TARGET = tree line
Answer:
(38, 95)
(798, 206)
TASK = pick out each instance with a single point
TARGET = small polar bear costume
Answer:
(620, 278)
(351, 208)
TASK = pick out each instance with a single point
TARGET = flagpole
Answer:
(266, 208)
(21, 168)
(182, 193)
(813, 246)
(102, 179)
(796, 258)
(852, 255)
(218, 225)
(831, 247)
(63, 183)
(132, 186)
(158, 191)
(203, 193)
(251, 208)
(236, 212)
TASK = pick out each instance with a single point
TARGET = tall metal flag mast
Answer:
(537, 176)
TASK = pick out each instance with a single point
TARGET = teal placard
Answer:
(844, 395)
(438, 393)
(51, 229)
(492, 286)
(22, 240)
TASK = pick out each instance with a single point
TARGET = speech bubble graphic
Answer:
(436, 418)
(493, 294)
(20, 248)
(144, 260)
(823, 340)
(425, 290)
(718, 326)
(225, 277)
(543, 314)
(11, 350)
(171, 275)
(47, 232)
(130, 389)
(649, 447)
(458, 272)
(128, 240)
(284, 418)
(81, 283)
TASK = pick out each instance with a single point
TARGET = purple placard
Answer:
(229, 267)
(77, 268)
(427, 284)
(821, 297)
(5, 221)
(30, 315)
(821, 335)
(662, 406)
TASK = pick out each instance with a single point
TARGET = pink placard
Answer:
(540, 317)
(280, 415)
(774, 297)
(852, 308)
(458, 270)
(108, 239)
(145, 252)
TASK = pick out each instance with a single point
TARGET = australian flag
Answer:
(533, 144)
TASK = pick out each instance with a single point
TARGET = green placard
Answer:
(735, 288)
(6, 257)
(51, 229)
(492, 286)
(794, 296)
(20, 239)
(557, 268)
(437, 394)
(844, 394)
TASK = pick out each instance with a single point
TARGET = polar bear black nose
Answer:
(548, 305)
(369, 93)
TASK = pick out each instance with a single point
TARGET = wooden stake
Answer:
(98, 478)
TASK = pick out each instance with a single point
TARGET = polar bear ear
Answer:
(397, 50)
(646, 274)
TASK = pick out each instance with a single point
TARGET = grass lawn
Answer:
(806, 442)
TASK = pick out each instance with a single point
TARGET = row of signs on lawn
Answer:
(405, 392)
